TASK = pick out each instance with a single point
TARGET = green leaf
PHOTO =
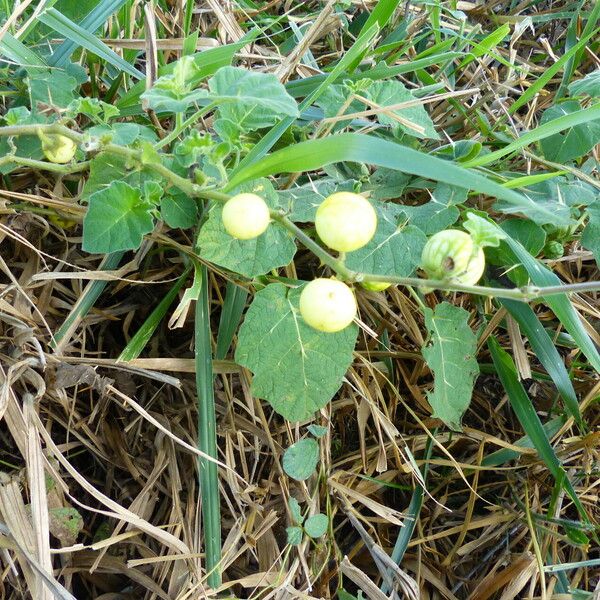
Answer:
(175, 91)
(295, 510)
(297, 369)
(356, 147)
(440, 212)
(300, 459)
(588, 85)
(316, 526)
(274, 248)
(117, 219)
(560, 304)
(486, 45)
(179, 210)
(395, 248)
(545, 351)
(250, 99)
(571, 143)
(121, 134)
(317, 430)
(54, 89)
(483, 232)
(189, 150)
(294, 535)
(450, 354)
(529, 419)
(107, 168)
(96, 110)
(532, 236)
(71, 31)
(27, 146)
(590, 238)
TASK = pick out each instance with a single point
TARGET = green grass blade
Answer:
(528, 417)
(361, 148)
(549, 73)
(61, 24)
(499, 457)
(560, 304)
(486, 45)
(207, 437)
(585, 115)
(91, 23)
(18, 53)
(231, 315)
(142, 336)
(546, 353)
(411, 516)
(88, 298)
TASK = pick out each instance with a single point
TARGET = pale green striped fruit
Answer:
(245, 216)
(345, 221)
(451, 255)
(327, 305)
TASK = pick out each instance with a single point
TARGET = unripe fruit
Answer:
(327, 305)
(553, 249)
(345, 221)
(57, 148)
(375, 286)
(452, 255)
(245, 216)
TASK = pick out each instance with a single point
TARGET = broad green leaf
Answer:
(440, 212)
(316, 526)
(532, 236)
(590, 238)
(297, 369)
(294, 535)
(545, 351)
(250, 99)
(96, 110)
(560, 304)
(450, 353)
(53, 88)
(317, 430)
(300, 459)
(179, 210)
(395, 248)
(106, 167)
(571, 143)
(360, 148)
(588, 85)
(295, 510)
(274, 248)
(122, 134)
(387, 184)
(529, 419)
(189, 150)
(557, 196)
(117, 219)
(175, 91)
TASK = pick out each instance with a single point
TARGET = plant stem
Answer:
(194, 190)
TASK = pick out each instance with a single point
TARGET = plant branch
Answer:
(194, 190)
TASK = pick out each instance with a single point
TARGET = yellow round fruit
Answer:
(346, 221)
(452, 255)
(375, 286)
(246, 216)
(327, 305)
(57, 148)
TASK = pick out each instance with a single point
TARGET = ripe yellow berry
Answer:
(57, 148)
(327, 305)
(345, 221)
(245, 216)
